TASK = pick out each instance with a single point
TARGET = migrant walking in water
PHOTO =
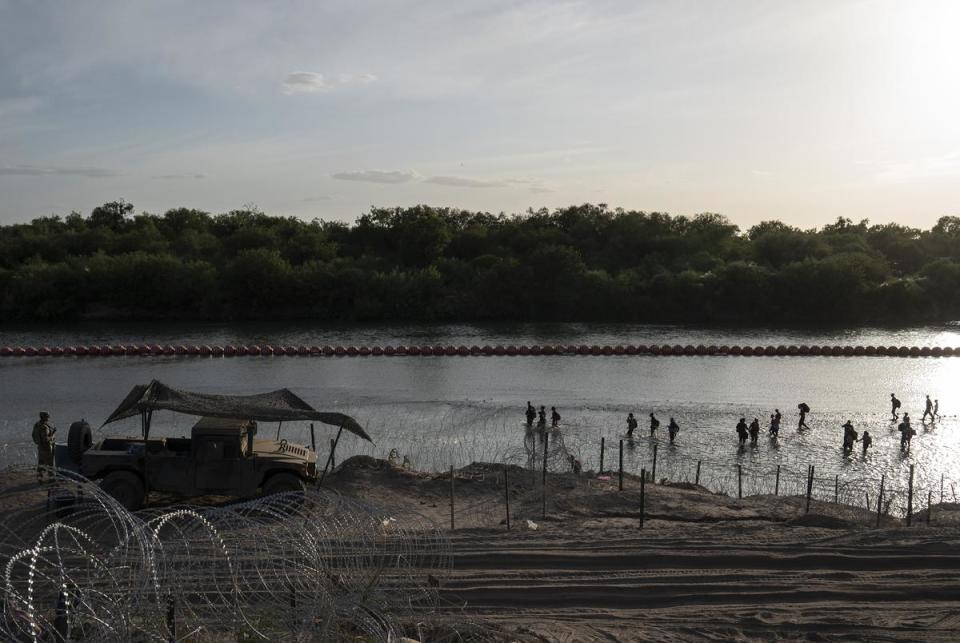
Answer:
(867, 441)
(674, 428)
(804, 409)
(631, 424)
(774, 424)
(936, 409)
(542, 417)
(754, 431)
(849, 437)
(531, 414)
(906, 432)
(928, 410)
(654, 424)
(554, 417)
(894, 405)
(742, 431)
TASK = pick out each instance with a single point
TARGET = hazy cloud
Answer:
(462, 182)
(169, 177)
(23, 105)
(315, 199)
(304, 82)
(539, 189)
(34, 170)
(919, 169)
(377, 176)
(310, 82)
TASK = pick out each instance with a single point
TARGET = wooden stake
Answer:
(809, 486)
(929, 505)
(452, 525)
(739, 481)
(776, 485)
(601, 455)
(698, 472)
(941, 488)
(836, 490)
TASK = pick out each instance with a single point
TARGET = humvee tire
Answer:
(282, 483)
(79, 439)
(125, 487)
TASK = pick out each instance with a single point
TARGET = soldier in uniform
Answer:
(43, 434)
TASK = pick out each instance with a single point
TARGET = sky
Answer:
(776, 109)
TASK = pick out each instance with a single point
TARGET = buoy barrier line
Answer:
(231, 350)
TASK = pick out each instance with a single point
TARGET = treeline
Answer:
(581, 263)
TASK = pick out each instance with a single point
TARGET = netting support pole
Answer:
(739, 481)
(910, 499)
(941, 488)
(329, 464)
(452, 524)
(929, 505)
(620, 483)
(697, 481)
(810, 473)
(506, 495)
(601, 455)
(776, 485)
(546, 441)
(643, 501)
(313, 438)
(868, 499)
(836, 490)
(880, 500)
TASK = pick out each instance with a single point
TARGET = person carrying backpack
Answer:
(804, 409)
(894, 405)
(674, 429)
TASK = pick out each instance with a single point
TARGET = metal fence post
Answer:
(601, 455)
(880, 499)
(929, 505)
(643, 501)
(836, 490)
(810, 473)
(653, 477)
(621, 466)
(546, 442)
(697, 481)
(910, 499)
(776, 485)
(739, 481)
(506, 495)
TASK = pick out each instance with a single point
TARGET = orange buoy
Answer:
(410, 350)
(689, 350)
(511, 350)
(463, 351)
(487, 349)
(43, 350)
(736, 350)
(242, 350)
(216, 350)
(859, 350)
(666, 349)
(229, 350)
(389, 351)
(924, 351)
(606, 350)
(793, 350)
(30, 351)
(535, 350)
(363, 351)
(770, 351)
(949, 351)
(847, 351)
(630, 349)
(936, 351)
(783, 350)
(724, 349)
(870, 350)
(6, 351)
(376, 351)
(803, 349)
(654, 349)
(678, 349)
(595, 349)
(747, 351)
(352, 351)
(548, 350)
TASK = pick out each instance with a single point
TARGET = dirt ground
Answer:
(702, 567)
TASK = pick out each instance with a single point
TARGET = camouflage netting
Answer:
(297, 567)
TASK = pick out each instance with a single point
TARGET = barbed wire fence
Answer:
(311, 566)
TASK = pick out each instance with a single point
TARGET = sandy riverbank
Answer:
(703, 567)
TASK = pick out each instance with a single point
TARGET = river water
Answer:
(442, 411)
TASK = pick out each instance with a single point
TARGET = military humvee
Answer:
(221, 457)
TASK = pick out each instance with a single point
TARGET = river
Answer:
(440, 411)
